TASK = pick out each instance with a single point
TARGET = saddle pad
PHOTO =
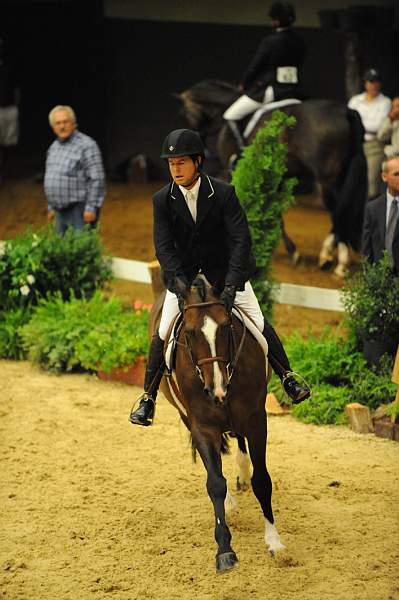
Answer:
(251, 327)
(258, 114)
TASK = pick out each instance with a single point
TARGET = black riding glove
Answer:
(228, 296)
(181, 302)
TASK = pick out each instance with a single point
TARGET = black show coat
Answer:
(279, 49)
(374, 230)
(218, 243)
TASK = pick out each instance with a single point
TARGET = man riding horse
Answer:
(274, 72)
(200, 226)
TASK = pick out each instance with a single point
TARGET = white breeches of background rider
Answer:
(244, 106)
(245, 300)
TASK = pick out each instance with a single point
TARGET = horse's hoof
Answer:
(226, 561)
(341, 271)
(296, 258)
(242, 486)
(325, 264)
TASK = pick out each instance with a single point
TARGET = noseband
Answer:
(235, 350)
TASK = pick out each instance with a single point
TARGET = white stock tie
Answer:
(192, 204)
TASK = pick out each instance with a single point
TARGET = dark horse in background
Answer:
(218, 384)
(325, 146)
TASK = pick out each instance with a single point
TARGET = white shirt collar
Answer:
(194, 190)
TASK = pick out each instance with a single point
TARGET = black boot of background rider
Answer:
(144, 415)
(296, 390)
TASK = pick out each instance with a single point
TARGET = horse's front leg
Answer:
(261, 481)
(208, 445)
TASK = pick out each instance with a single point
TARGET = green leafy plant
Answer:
(371, 302)
(337, 374)
(393, 410)
(39, 263)
(87, 334)
(10, 339)
(265, 193)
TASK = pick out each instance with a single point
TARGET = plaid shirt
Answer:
(74, 173)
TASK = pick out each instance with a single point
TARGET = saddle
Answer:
(263, 110)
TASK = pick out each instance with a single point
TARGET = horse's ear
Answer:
(181, 287)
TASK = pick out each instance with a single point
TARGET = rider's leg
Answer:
(241, 108)
(155, 365)
(278, 358)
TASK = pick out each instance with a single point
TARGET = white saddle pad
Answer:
(265, 108)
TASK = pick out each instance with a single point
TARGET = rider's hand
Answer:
(181, 302)
(228, 296)
(89, 217)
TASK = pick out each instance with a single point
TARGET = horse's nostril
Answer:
(207, 391)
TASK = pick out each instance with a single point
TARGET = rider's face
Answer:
(183, 170)
(391, 176)
(372, 88)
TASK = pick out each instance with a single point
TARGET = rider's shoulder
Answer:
(219, 185)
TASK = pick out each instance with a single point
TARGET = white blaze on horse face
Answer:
(209, 329)
(272, 538)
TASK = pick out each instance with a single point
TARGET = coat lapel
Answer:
(381, 217)
(180, 204)
(205, 198)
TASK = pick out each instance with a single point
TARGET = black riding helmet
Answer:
(283, 12)
(182, 142)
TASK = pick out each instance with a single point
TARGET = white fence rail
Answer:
(286, 293)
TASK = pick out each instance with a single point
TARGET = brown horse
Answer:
(218, 384)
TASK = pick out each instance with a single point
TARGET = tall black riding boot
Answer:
(144, 415)
(295, 389)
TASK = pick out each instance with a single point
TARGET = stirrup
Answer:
(300, 382)
(145, 413)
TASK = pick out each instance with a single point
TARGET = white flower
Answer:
(2, 248)
(24, 289)
(30, 279)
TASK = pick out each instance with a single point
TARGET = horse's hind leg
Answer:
(208, 447)
(290, 245)
(244, 465)
(326, 256)
(261, 481)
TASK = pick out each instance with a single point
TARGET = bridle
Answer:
(235, 350)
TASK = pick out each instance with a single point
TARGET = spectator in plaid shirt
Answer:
(74, 181)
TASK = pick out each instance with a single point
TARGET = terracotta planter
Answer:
(132, 375)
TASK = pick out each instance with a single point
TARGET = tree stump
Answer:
(359, 418)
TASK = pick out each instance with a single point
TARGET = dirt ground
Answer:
(92, 507)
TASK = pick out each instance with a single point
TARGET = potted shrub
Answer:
(371, 301)
(94, 334)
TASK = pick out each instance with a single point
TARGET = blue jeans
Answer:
(72, 216)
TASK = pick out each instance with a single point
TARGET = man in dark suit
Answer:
(381, 226)
(200, 226)
(274, 72)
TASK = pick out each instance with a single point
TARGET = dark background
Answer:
(118, 74)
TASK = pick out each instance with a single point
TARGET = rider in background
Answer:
(274, 72)
(200, 226)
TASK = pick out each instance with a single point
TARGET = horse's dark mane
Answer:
(213, 91)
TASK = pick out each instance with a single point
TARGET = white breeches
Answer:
(244, 106)
(245, 300)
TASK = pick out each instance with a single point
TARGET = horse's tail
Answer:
(352, 193)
